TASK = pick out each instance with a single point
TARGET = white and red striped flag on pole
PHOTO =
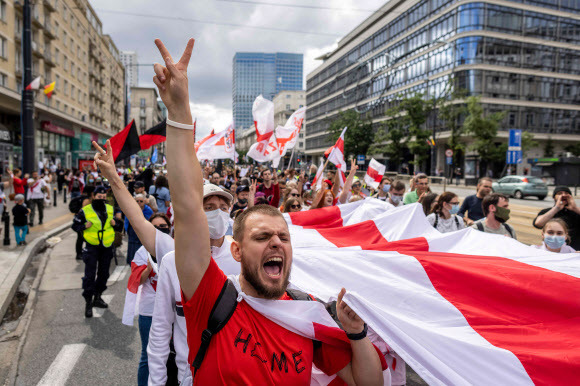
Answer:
(375, 173)
(221, 145)
(204, 139)
(335, 155)
(317, 182)
(266, 147)
(463, 307)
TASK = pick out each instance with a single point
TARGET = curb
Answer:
(17, 271)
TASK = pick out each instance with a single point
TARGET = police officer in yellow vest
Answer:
(98, 225)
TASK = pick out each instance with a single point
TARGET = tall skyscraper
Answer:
(256, 73)
(129, 60)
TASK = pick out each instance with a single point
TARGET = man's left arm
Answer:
(276, 196)
(365, 367)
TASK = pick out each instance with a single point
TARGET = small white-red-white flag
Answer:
(375, 173)
(221, 145)
(34, 85)
(203, 140)
(287, 135)
(317, 182)
(266, 147)
(336, 156)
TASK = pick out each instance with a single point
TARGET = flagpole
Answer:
(291, 156)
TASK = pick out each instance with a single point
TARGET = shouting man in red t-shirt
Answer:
(250, 348)
(270, 187)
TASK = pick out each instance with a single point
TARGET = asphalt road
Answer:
(62, 346)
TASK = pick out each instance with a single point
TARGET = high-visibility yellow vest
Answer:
(98, 233)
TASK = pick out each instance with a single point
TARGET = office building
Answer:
(286, 102)
(69, 48)
(522, 57)
(256, 73)
(129, 60)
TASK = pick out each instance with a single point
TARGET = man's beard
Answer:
(252, 277)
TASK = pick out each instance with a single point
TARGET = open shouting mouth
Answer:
(273, 267)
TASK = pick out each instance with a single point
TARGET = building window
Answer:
(66, 87)
(3, 47)
(288, 96)
(3, 11)
(142, 124)
(57, 84)
(3, 80)
(287, 107)
(512, 119)
(143, 102)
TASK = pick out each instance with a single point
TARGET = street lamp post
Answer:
(27, 104)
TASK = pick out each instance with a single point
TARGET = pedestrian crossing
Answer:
(63, 364)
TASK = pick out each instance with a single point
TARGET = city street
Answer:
(62, 346)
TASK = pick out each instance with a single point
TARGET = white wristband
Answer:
(180, 125)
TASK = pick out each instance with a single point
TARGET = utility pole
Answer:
(27, 105)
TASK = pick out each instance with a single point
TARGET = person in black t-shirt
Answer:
(242, 193)
(20, 214)
(473, 204)
(565, 208)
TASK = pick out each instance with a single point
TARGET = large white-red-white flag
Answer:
(375, 173)
(287, 135)
(221, 145)
(335, 154)
(464, 307)
(204, 139)
(266, 147)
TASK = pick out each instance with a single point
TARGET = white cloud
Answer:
(209, 117)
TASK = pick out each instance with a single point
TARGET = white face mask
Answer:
(218, 222)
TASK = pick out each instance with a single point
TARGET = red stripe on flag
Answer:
(148, 140)
(135, 278)
(374, 175)
(263, 137)
(329, 217)
(531, 311)
(366, 235)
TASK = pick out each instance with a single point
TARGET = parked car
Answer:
(521, 186)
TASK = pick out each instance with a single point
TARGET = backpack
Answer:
(76, 184)
(437, 221)
(224, 308)
(76, 204)
(507, 227)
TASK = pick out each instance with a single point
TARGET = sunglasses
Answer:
(140, 201)
(163, 226)
(296, 206)
(294, 195)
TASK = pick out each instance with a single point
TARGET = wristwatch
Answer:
(360, 335)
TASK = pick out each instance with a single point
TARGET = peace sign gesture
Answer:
(171, 81)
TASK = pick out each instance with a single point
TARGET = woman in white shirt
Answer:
(555, 236)
(444, 217)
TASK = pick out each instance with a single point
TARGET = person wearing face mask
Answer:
(168, 309)
(242, 193)
(396, 193)
(383, 189)
(555, 237)
(134, 242)
(98, 225)
(495, 208)
(444, 217)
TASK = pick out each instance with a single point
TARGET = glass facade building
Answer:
(522, 57)
(256, 73)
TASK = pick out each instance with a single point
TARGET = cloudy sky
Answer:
(222, 28)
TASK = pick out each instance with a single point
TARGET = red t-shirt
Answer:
(250, 349)
(18, 185)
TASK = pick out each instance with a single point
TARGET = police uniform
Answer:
(98, 251)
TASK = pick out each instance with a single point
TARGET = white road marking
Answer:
(98, 312)
(63, 364)
(123, 275)
(116, 273)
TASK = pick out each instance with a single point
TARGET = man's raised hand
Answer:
(351, 322)
(171, 79)
(104, 160)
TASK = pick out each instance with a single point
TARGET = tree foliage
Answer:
(450, 113)
(389, 139)
(574, 148)
(484, 131)
(528, 142)
(549, 148)
(416, 110)
(359, 135)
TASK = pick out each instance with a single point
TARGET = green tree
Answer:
(528, 142)
(450, 113)
(416, 110)
(574, 149)
(484, 130)
(389, 139)
(359, 135)
(549, 148)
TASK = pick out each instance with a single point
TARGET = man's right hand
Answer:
(560, 204)
(104, 160)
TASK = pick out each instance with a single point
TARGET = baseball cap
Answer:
(100, 189)
(242, 188)
(214, 190)
(559, 189)
(139, 184)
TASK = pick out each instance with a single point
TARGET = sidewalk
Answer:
(14, 259)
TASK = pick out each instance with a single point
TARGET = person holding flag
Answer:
(258, 323)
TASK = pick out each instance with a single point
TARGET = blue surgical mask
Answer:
(454, 209)
(555, 242)
(396, 199)
(386, 188)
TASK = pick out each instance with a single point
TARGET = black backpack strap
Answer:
(510, 230)
(222, 311)
(436, 221)
(456, 221)
(298, 295)
(479, 225)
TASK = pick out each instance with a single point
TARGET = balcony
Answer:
(49, 5)
(18, 35)
(19, 4)
(18, 70)
(48, 32)
(37, 50)
(48, 60)
(36, 21)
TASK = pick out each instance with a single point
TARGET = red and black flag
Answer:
(157, 134)
(153, 136)
(126, 142)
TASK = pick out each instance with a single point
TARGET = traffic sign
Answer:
(514, 157)
(449, 153)
(514, 153)
(360, 159)
(449, 160)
